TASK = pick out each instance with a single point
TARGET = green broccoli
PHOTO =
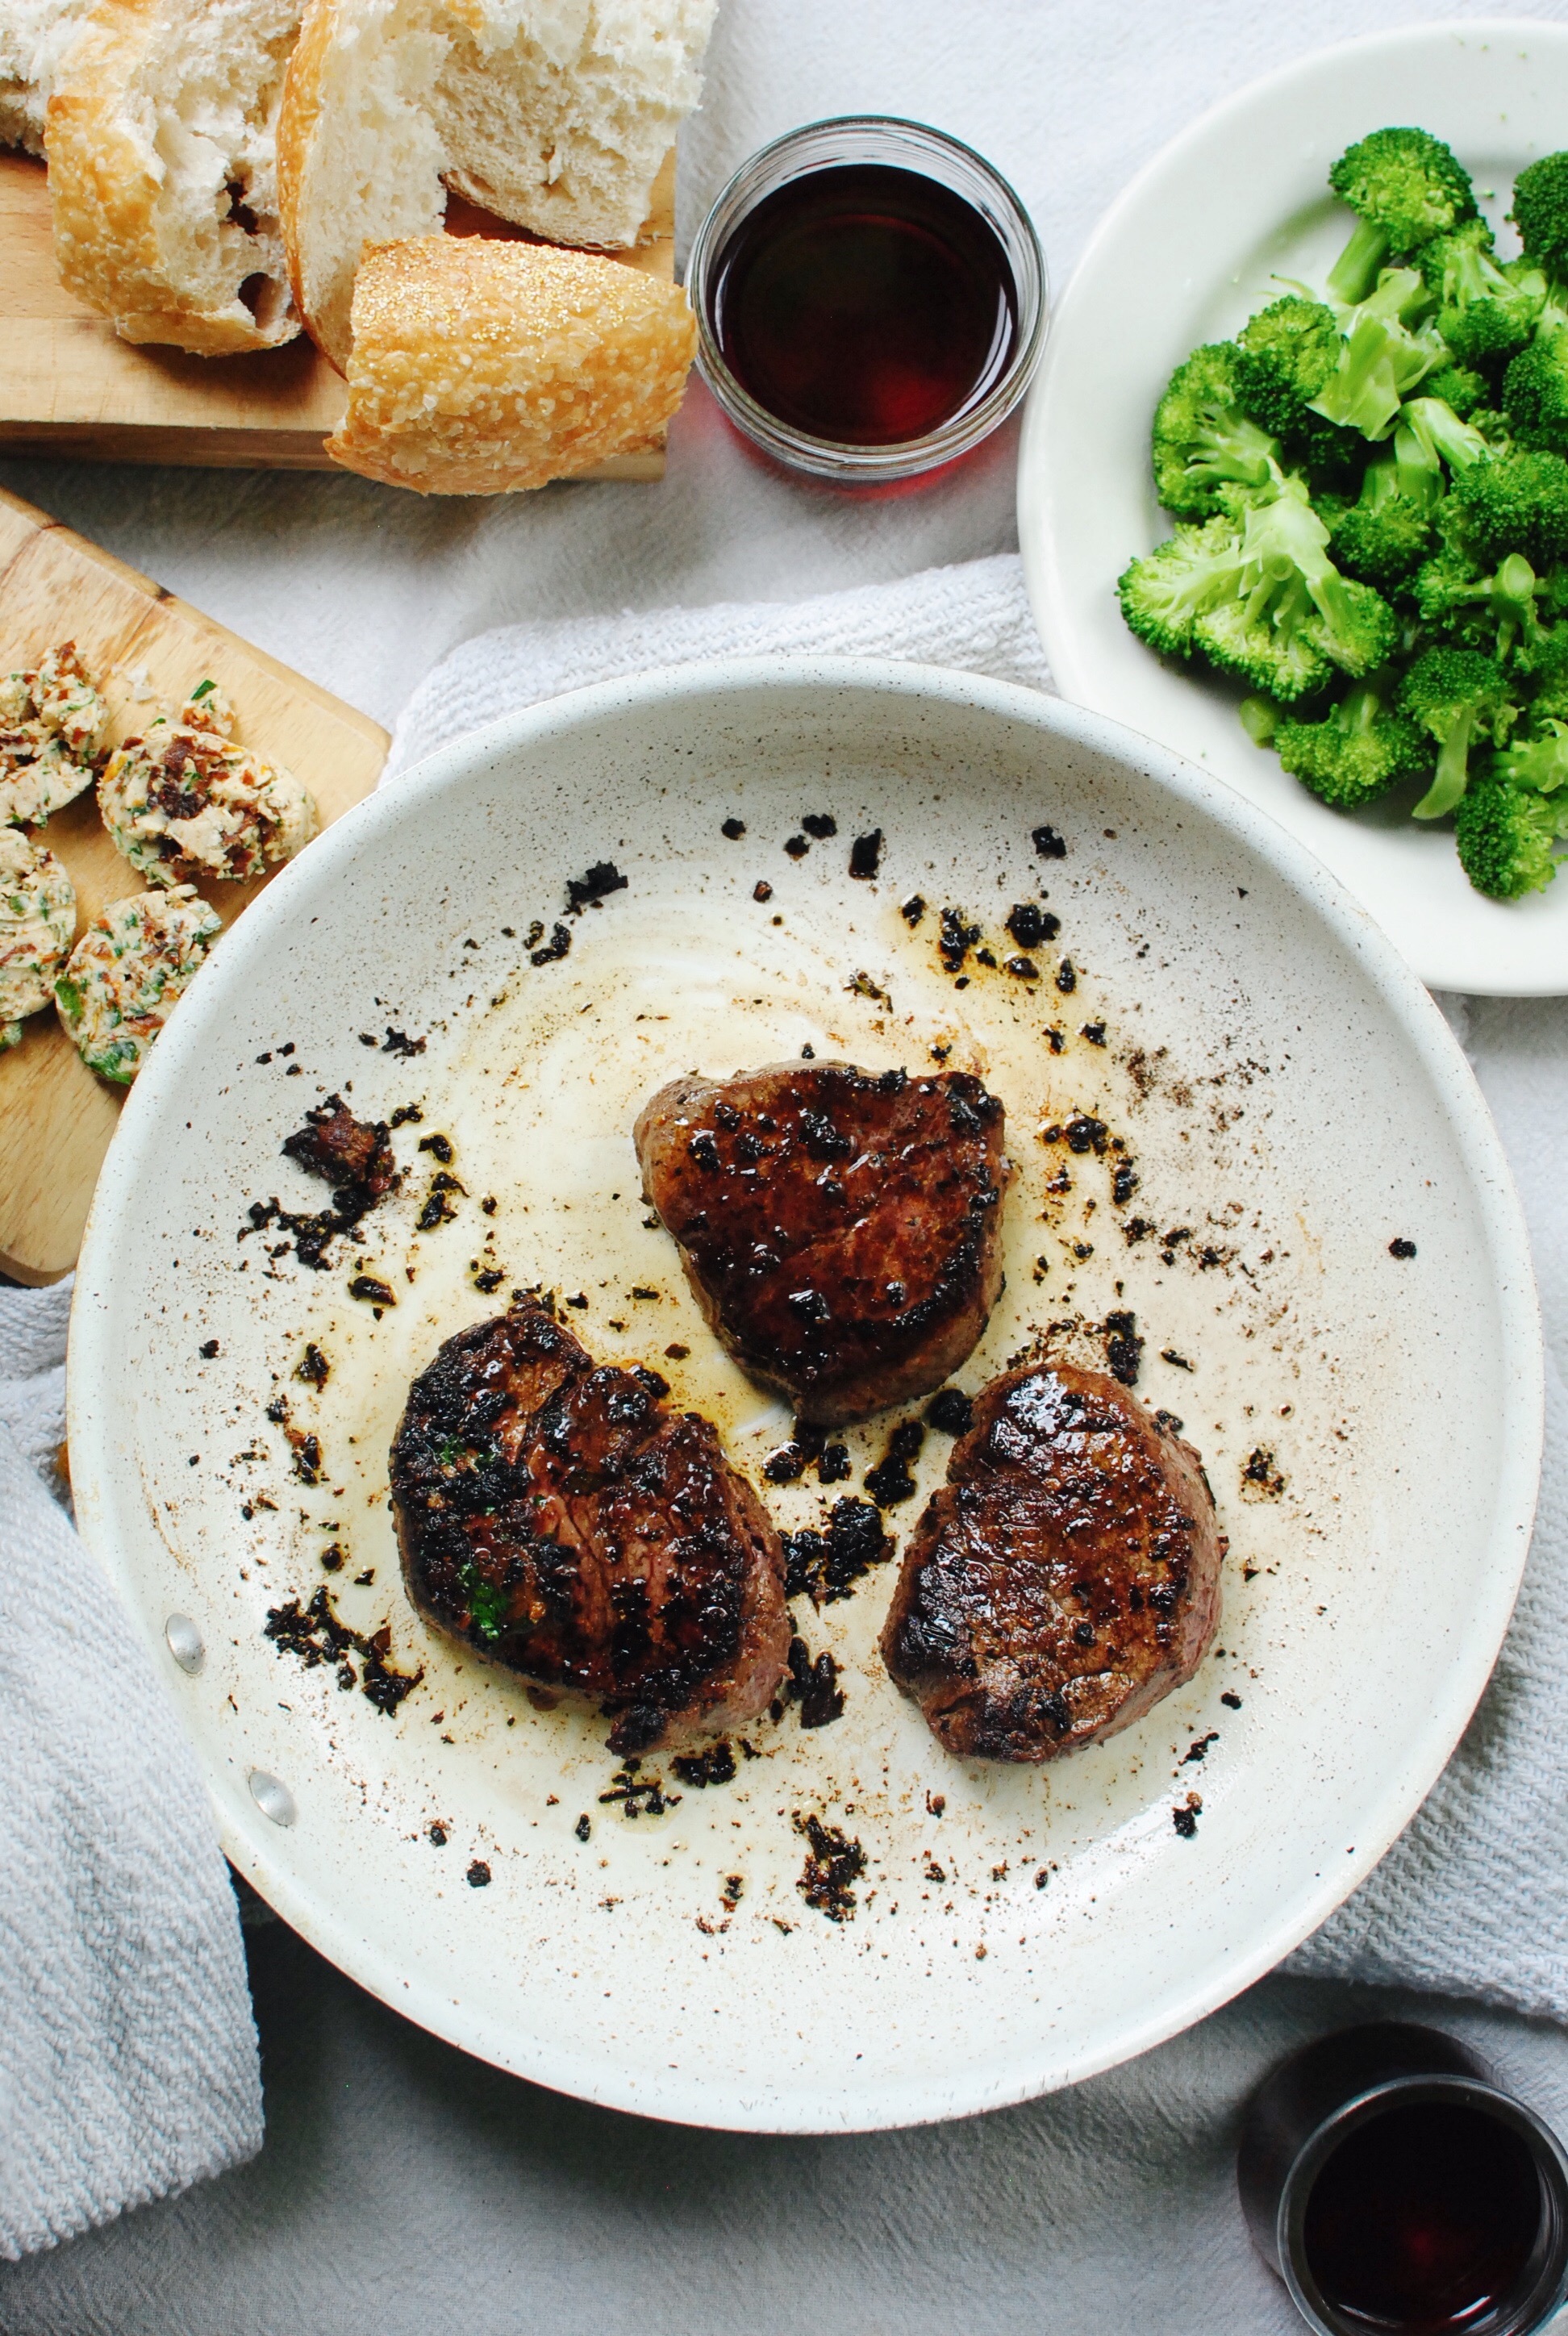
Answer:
(1513, 501)
(1164, 593)
(1535, 391)
(1540, 762)
(1358, 753)
(1540, 212)
(1203, 440)
(1405, 186)
(1453, 695)
(1383, 538)
(1380, 360)
(1428, 435)
(1548, 669)
(1485, 311)
(1285, 355)
(1505, 836)
(1293, 615)
(1459, 387)
(1495, 612)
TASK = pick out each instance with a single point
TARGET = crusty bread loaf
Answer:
(555, 114)
(163, 170)
(481, 367)
(34, 36)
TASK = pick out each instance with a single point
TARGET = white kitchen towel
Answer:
(128, 2061)
(1472, 1899)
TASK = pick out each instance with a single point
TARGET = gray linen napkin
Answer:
(1472, 1899)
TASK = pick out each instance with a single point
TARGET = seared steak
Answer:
(1064, 1578)
(557, 1517)
(841, 1229)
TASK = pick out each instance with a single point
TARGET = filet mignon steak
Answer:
(1064, 1578)
(557, 1517)
(840, 1228)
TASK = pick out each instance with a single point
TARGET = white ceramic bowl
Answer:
(1193, 247)
(1288, 1096)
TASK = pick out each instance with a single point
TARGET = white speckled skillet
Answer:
(1289, 1101)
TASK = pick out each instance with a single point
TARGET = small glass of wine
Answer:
(1399, 2191)
(871, 299)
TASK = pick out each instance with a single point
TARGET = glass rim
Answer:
(760, 175)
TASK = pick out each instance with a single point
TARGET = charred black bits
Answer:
(820, 823)
(1260, 1477)
(797, 847)
(1023, 969)
(1169, 1354)
(1048, 845)
(332, 1559)
(313, 1367)
(587, 891)
(951, 1411)
(396, 1042)
(1123, 1181)
(1029, 924)
(1067, 977)
(814, 1686)
(1084, 1133)
(834, 1865)
(866, 856)
(715, 1765)
(834, 1465)
(584, 1827)
(1232, 1702)
(786, 1465)
(1199, 1747)
(405, 1114)
(1094, 1032)
(436, 1836)
(556, 948)
(1400, 1246)
(825, 1566)
(913, 910)
(958, 938)
(373, 1292)
(734, 829)
(1123, 1347)
(441, 1145)
(317, 1634)
(207, 1349)
(1185, 1819)
(637, 1793)
(890, 1482)
(1169, 1422)
(478, 1875)
(762, 891)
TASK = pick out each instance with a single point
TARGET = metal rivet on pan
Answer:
(272, 1797)
(184, 1642)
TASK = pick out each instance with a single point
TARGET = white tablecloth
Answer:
(401, 2188)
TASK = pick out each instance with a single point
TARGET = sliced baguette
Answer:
(35, 35)
(554, 114)
(163, 170)
(481, 367)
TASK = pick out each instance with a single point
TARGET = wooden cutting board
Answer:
(70, 386)
(55, 1116)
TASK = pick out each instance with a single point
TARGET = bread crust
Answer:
(485, 367)
(104, 194)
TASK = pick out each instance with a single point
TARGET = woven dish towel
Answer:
(1472, 1899)
(128, 2063)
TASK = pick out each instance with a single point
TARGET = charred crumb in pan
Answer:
(407, 1114)
(834, 1863)
(587, 891)
(557, 946)
(1029, 924)
(1093, 1033)
(1400, 1246)
(583, 1828)
(1047, 843)
(354, 1156)
(825, 1566)
(712, 1766)
(1233, 1702)
(313, 1367)
(912, 910)
(398, 1041)
(866, 856)
(635, 1794)
(890, 1482)
(478, 1875)
(733, 830)
(317, 1634)
(437, 1209)
(441, 1145)
(814, 1686)
(375, 1293)
(1260, 1477)
(820, 824)
(207, 1349)
(1180, 1362)
(1186, 1818)
(950, 1412)
(1198, 1749)
(796, 846)
(956, 937)
(1123, 1347)
(1067, 977)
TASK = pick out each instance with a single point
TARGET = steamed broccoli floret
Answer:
(1514, 501)
(1203, 440)
(1455, 696)
(1384, 537)
(1548, 665)
(1294, 615)
(1285, 355)
(1505, 836)
(1380, 361)
(1428, 435)
(1461, 389)
(1540, 212)
(1164, 593)
(1540, 762)
(1535, 391)
(1405, 186)
(1357, 754)
(1495, 612)
(1485, 311)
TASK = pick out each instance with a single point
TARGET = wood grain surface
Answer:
(70, 386)
(56, 1118)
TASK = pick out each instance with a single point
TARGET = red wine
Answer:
(1423, 2219)
(864, 305)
